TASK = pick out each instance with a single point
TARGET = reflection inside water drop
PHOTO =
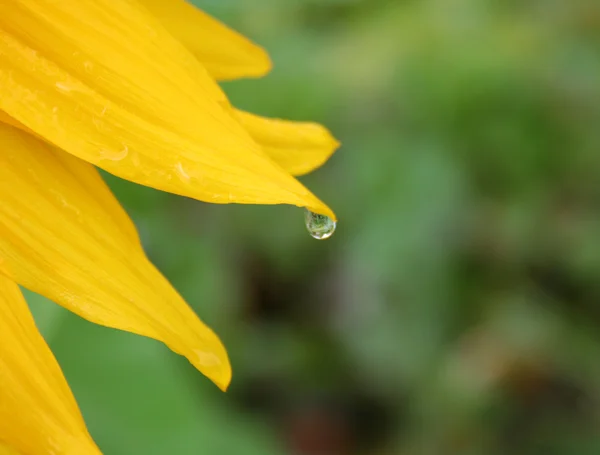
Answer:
(319, 226)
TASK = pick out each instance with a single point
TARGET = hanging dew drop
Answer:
(320, 227)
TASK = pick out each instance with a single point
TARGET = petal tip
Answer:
(214, 365)
(264, 63)
(258, 64)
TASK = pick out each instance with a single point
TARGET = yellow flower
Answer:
(129, 87)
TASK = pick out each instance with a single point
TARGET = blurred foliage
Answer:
(455, 311)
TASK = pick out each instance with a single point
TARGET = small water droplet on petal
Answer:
(207, 359)
(319, 226)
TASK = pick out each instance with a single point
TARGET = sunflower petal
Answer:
(298, 147)
(38, 413)
(104, 80)
(225, 53)
(6, 450)
(63, 235)
(5, 118)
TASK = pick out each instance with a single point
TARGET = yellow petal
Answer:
(6, 450)
(5, 118)
(225, 53)
(63, 235)
(298, 147)
(103, 80)
(38, 414)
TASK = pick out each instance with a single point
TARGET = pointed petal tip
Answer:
(253, 64)
(335, 143)
(222, 379)
(298, 147)
(263, 64)
(324, 145)
(224, 385)
(257, 64)
(213, 363)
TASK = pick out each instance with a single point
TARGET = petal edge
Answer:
(38, 413)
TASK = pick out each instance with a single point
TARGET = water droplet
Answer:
(63, 87)
(207, 359)
(320, 227)
(113, 155)
(181, 172)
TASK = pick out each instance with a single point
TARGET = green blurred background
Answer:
(457, 308)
